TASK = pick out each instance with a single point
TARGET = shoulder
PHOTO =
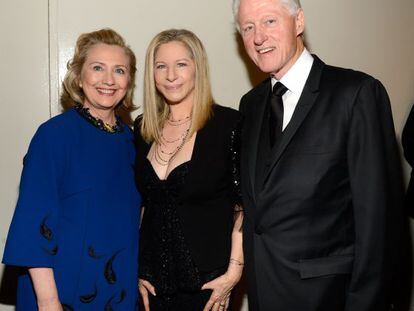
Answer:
(225, 113)
(139, 140)
(254, 95)
(257, 90)
(346, 78)
(137, 127)
(57, 128)
(224, 117)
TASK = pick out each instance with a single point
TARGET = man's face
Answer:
(271, 34)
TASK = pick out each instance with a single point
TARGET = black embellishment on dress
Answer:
(84, 112)
(92, 254)
(52, 251)
(165, 258)
(108, 305)
(88, 298)
(122, 296)
(67, 307)
(109, 272)
(45, 231)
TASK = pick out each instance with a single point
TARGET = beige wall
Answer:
(375, 36)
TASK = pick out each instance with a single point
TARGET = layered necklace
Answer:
(99, 123)
(161, 155)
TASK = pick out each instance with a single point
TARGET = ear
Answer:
(300, 22)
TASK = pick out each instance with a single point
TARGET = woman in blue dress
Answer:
(75, 227)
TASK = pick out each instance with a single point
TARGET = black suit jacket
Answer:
(320, 229)
(407, 139)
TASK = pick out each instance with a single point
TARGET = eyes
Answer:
(161, 66)
(249, 28)
(100, 68)
(120, 71)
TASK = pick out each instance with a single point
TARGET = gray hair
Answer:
(292, 5)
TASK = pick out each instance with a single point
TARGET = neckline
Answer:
(186, 163)
(98, 123)
(193, 153)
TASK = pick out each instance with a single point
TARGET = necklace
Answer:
(174, 140)
(178, 122)
(84, 112)
(159, 153)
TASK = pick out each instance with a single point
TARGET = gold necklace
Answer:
(159, 152)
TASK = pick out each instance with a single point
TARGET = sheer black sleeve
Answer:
(235, 162)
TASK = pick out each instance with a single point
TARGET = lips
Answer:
(265, 50)
(172, 87)
(108, 92)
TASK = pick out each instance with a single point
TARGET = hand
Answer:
(145, 287)
(222, 286)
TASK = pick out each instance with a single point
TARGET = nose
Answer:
(109, 78)
(260, 36)
(171, 74)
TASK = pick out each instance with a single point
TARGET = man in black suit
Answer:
(320, 174)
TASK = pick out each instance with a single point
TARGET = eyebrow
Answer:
(178, 60)
(103, 64)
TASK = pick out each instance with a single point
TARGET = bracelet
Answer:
(236, 262)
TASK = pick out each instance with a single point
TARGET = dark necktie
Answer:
(276, 113)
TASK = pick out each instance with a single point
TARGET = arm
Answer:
(376, 189)
(407, 138)
(32, 238)
(223, 285)
(45, 289)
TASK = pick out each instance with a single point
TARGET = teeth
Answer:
(106, 91)
(262, 51)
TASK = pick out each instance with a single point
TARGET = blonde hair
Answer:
(72, 93)
(155, 108)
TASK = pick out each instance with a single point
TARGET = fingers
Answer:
(148, 286)
(144, 295)
(209, 304)
(217, 302)
(145, 287)
(208, 285)
(227, 303)
(220, 305)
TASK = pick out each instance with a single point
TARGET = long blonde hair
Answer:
(155, 108)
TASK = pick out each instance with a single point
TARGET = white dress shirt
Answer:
(294, 80)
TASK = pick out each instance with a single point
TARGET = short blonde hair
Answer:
(72, 93)
(155, 108)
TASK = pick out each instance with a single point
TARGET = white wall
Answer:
(375, 36)
(24, 89)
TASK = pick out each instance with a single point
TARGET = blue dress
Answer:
(78, 213)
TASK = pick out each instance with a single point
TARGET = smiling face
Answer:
(104, 77)
(174, 72)
(271, 34)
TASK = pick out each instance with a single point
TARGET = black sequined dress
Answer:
(165, 257)
(185, 238)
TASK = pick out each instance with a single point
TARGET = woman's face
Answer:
(104, 76)
(174, 72)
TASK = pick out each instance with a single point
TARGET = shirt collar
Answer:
(297, 75)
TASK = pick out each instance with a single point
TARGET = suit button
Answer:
(258, 230)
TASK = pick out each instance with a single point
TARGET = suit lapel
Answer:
(306, 101)
(256, 116)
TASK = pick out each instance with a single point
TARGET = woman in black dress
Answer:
(186, 168)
